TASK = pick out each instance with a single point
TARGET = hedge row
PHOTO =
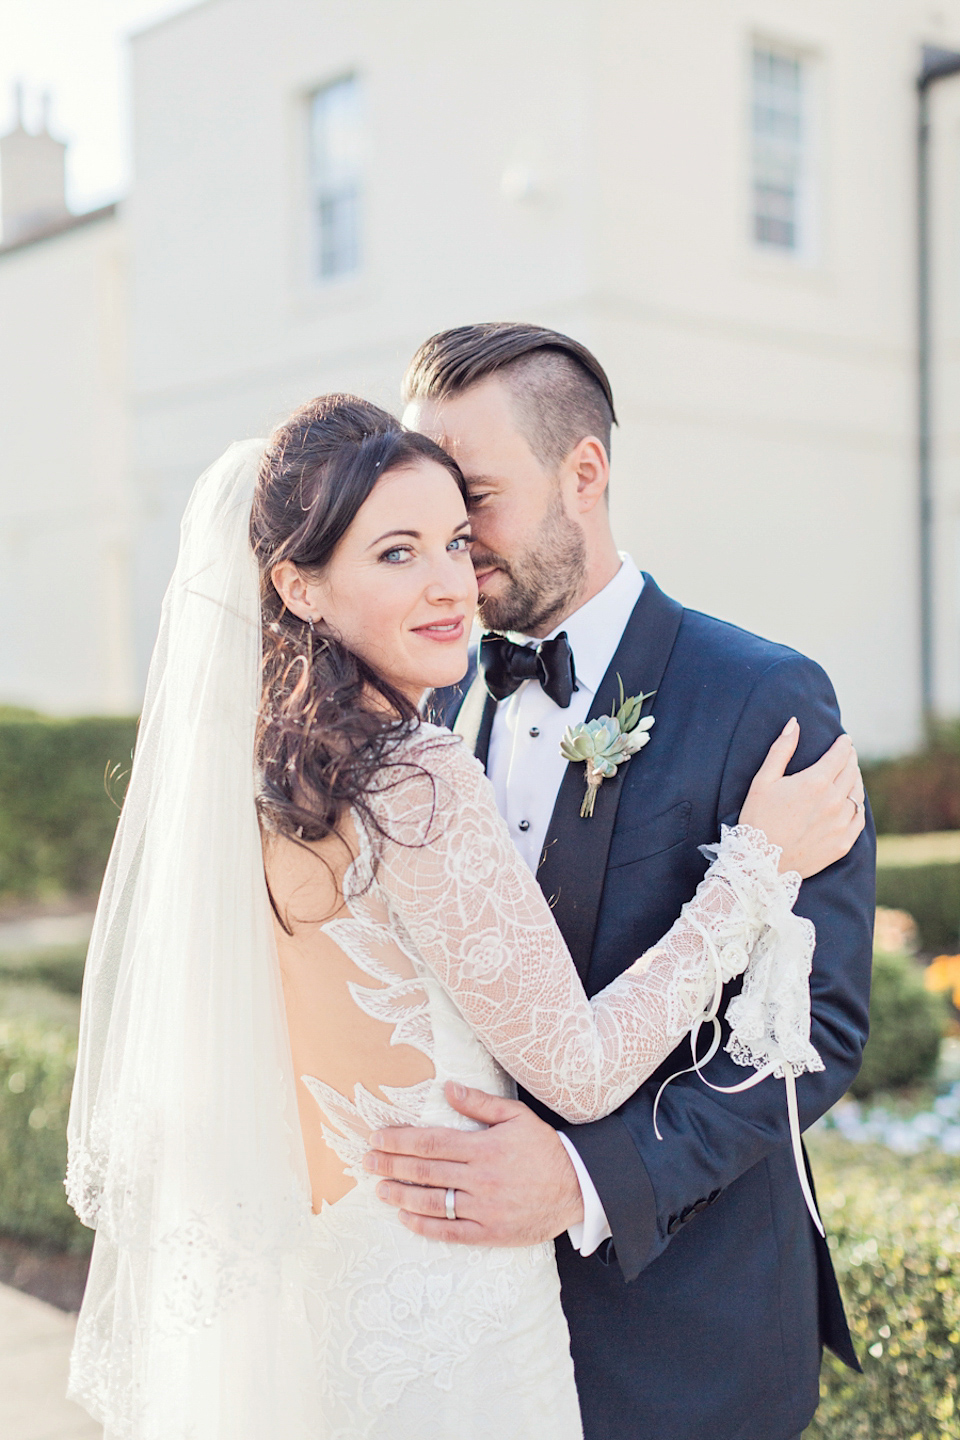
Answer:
(894, 1229)
(59, 968)
(915, 795)
(918, 793)
(61, 782)
(36, 1073)
(931, 894)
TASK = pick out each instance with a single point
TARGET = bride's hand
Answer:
(811, 815)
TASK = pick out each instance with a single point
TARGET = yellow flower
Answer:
(943, 973)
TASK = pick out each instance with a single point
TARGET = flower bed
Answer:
(933, 1128)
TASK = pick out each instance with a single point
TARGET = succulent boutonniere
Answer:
(606, 743)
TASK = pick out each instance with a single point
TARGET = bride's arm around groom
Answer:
(651, 1188)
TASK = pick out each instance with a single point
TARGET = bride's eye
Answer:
(460, 543)
(397, 555)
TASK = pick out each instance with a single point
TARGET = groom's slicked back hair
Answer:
(560, 390)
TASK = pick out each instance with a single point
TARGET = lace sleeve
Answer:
(478, 919)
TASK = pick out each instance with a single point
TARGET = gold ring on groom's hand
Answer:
(451, 1203)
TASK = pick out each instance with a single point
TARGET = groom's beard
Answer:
(543, 584)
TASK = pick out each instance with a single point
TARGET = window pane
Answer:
(335, 136)
(779, 149)
(339, 238)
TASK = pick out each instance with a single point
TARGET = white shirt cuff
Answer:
(594, 1228)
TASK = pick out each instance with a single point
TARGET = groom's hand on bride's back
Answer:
(514, 1182)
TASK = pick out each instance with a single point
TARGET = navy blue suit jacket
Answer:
(704, 1317)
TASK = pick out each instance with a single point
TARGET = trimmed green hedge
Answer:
(906, 1027)
(36, 1074)
(931, 894)
(59, 968)
(57, 819)
(894, 1230)
(917, 794)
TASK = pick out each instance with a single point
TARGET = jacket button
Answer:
(534, 731)
(524, 825)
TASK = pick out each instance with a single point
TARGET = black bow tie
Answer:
(506, 665)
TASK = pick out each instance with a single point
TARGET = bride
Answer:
(314, 919)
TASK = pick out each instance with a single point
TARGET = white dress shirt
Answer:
(526, 769)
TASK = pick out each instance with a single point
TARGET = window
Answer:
(781, 125)
(335, 177)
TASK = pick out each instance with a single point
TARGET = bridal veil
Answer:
(185, 1151)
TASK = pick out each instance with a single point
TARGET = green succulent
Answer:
(628, 715)
(603, 745)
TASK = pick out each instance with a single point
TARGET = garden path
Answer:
(37, 932)
(35, 1344)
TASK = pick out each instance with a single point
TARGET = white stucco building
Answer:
(716, 195)
(66, 637)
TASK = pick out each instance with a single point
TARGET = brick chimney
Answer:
(32, 179)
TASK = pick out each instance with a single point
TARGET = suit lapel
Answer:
(474, 720)
(574, 864)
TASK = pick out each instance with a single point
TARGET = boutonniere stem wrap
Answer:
(607, 743)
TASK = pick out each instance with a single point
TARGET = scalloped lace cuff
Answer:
(770, 1019)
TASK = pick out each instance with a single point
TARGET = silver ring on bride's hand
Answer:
(451, 1203)
(857, 804)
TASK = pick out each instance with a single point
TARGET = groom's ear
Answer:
(588, 466)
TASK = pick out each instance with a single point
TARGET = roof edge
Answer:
(61, 227)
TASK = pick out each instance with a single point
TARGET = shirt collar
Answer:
(595, 629)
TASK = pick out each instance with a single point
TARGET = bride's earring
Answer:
(310, 623)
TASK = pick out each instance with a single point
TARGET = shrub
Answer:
(36, 1074)
(931, 894)
(56, 818)
(894, 1230)
(906, 1026)
(916, 794)
(59, 969)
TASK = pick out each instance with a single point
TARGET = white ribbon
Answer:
(710, 1016)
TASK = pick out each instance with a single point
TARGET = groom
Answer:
(698, 1293)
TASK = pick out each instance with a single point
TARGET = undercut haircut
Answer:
(560, 391)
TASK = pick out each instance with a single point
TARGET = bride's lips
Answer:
(442, 631)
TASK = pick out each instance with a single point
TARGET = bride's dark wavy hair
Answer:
(328, 723)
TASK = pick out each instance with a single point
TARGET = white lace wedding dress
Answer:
(444, 962)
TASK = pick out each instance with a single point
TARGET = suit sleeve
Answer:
(650, 1188)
